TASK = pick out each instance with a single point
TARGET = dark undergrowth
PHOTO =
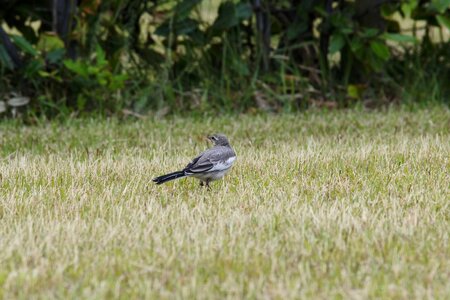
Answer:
(134, 59)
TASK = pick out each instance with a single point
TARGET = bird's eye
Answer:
(214, 138)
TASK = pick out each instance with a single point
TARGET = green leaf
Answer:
(322, 12)
(354, 91)
(240, 67)
(440, 5)
(77, 67)
(356, 45)
(33, 67)
(24, 45)
(184, 27)
(370, 32)
(380, 50)
(163, 29)
(387, 9)
(48, 42)
(81, 102)
(53, 75)
(408, 7)
(337, 41)
(184, 8)
(295, 29)
(102, 81)
(56, 55)
(401, 38)
(226, 17)
(117, 81)
(444, 21)
(243, 11)
(197, 36)
(100, 56)
(151, 56)
(375, 62)
(93, 70)
(5, 60)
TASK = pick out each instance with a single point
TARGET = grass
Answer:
(345, 205)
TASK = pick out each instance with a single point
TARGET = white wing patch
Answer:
(223, 165)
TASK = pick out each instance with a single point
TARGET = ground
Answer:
(346, 204)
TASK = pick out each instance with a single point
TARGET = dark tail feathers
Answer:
(168, 177)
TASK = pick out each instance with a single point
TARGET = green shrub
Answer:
(105, 56)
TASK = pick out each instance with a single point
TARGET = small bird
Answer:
(210, 165)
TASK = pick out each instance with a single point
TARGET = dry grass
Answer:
(347, 204)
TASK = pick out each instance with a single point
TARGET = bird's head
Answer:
(219, 139)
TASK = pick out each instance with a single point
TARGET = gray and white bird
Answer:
(210, 165)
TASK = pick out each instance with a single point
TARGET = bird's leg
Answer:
(207, 185)
(201, 183)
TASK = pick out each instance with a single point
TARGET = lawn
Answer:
(345, 204)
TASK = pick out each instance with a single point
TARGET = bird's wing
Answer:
(199, 164)
(205, 167)
(217, 158)
(193, 162)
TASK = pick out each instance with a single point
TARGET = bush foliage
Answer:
(107, 56)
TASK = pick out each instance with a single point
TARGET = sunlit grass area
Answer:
(347, 204)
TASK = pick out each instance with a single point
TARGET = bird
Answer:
(210, 165)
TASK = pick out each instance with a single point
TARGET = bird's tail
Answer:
(168, 177)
